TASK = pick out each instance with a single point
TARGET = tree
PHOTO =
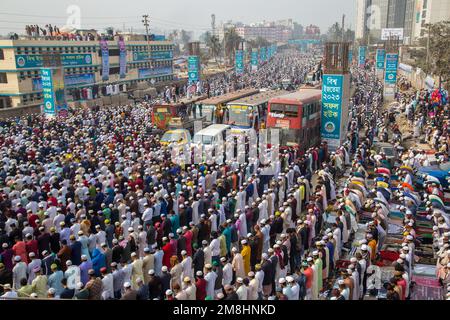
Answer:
(231, 43)
(258, 43)
(439, 51)
(213, 44)
(185, 38)
(110, 31)
(334, 33)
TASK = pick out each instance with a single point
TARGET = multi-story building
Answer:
(361, 19)
(429, 11)
(22, 60)
(411, 15)
(272, 33)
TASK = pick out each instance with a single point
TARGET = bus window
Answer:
(277, 108)
(290, 111)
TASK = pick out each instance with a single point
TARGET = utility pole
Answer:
(146, 24)
(213, 24)
(343, 32)
(428, 48)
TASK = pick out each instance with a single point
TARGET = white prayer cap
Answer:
(309, 259)
(164, 269)
(127, 285)
(282, 280)
(315, 253)
(364, 247)
(151, 272)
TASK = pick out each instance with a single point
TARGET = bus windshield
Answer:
(287, 110)
(239, 116)
(162, 110)
(206, 111)
(200, 138)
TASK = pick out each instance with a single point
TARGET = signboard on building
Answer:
(158, 71)
(239, 62)
(254, 60)
(69, 80)
(36, 60)
(381, 55)
(155, 55)
(386, 33)
(362, 56)
(332, 93)
(193, 68)
(391, 68)
(105, 59)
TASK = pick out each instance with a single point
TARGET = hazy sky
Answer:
(192, 15)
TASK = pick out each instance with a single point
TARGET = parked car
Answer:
(180, 136)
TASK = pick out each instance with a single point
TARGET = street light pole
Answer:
(146, 24)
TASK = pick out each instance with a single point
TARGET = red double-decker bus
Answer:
(297, 115)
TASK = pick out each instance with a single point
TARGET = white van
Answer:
(212, 135)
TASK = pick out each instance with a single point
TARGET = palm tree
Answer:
(231, 43)
(213, 44)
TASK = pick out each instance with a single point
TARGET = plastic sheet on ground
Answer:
(394, 229)
(424, 270)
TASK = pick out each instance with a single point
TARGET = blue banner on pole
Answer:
(193, 68)
(350, 57)
(262, 54)
(47, 91)
(122, 58)
(239, 62)
(362, 56)
(332, 92)
(381, 55)
(391, 68)
(254, 60)
(105, 59)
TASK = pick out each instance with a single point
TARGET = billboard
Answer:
(122, 58)
(239, 62)
(362, 56)
(332, 93)
(254, 60)
(53, 92)
(386, 33)
(391, 69)
(105, 59)
(193, 68)
(381, 55)
(48, 93)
